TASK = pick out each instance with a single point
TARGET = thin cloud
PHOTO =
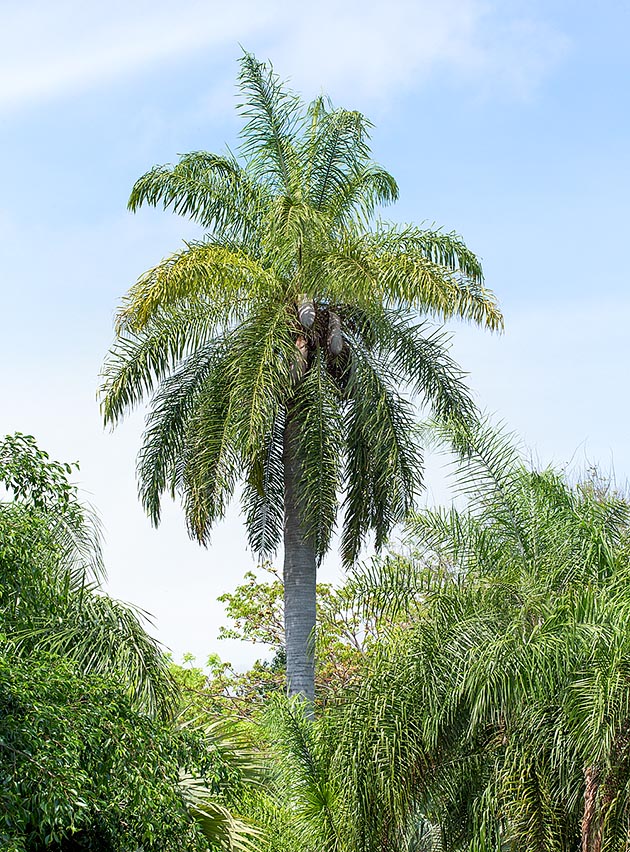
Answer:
(50, 50)
(65, 47)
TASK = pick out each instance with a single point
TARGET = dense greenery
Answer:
(486, 707)
(80, 768)
(91, 757)
(280, 351)
(496, 714)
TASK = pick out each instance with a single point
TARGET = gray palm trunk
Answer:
(300, 572)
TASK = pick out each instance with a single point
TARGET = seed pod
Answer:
(306, 311)
(335, 338)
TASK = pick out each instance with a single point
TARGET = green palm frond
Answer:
(337, 150)
(220, 827)
(261, 352)
(383, 459)
(214, 190)
(210, 463)
(302, 757)
(369, 188)
(138, 362)
(315, 410)
(161, 460)
(424, 271)
(105, 636)
(419, 357)
(263, 494)
(221, 280)
(491, 472)
(274, 118)
(77, 536)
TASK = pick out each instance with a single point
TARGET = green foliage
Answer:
(50, 567)
(90, 756)
(80, 768)
(350, 628)
(297, 305)
(498, 715)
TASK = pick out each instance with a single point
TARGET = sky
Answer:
(504, 121)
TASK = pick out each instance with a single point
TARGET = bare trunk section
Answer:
(591, 841)
(300, 569)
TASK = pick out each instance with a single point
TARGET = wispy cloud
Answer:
(377, 49)
(56, 49)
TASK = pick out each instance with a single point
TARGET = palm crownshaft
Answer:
(275, 347)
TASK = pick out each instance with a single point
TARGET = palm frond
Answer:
(315, 409)
(138, 362)
(105, 636)
(263, 494)
(161, 460)
(220, 827)
(213, 190)
(222, 280)
(383, 459)
(274, 115)
(369, 187)
(337, 150)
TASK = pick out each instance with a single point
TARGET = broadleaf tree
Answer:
(284, 349)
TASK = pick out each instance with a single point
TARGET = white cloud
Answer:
(49, 49)
(375, 49)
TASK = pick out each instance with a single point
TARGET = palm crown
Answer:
(275, 347)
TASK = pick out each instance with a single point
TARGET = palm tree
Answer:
(274, 350)
(498, 715)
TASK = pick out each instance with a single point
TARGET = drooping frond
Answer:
(161, 460)
(220, 280)
(236, 414)
(222, 829)
(315, 410)
(211, 461)
(77, 535)
(263, 494)
(416, 270)
(105, 636)
(383, 458)
(138, 361)
(213, 190)
(418, 356)
(460, 540)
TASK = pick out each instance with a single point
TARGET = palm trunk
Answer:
(300, 569)
(590, 841)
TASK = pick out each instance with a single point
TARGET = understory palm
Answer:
(274, 350)
(498, 716)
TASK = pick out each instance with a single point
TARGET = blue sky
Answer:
(507, 122)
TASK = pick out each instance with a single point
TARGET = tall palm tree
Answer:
(274, 350)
